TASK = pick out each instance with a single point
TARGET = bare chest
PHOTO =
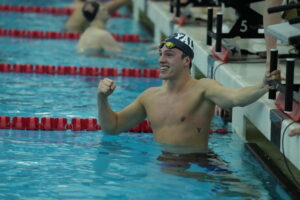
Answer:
(171, 110)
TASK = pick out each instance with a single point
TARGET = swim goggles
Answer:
(169, 45)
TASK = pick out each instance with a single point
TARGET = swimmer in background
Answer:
(76, 4)
(77, 22)
(97, 41)
(95, 37)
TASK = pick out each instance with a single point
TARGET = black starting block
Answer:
(248, 25)
(289, 32)
(289, 97)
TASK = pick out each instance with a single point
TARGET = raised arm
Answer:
(112, 6)
(228, 97)
(116, 122)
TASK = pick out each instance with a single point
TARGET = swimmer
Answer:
(76, 4)
(77, 22)
(180, 111)
(95, 37)
(96, 41)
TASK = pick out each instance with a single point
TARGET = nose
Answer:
(161, 59)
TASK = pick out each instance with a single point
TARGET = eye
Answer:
(169, 54)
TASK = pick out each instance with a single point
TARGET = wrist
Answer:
(101, 96)
(264, 87)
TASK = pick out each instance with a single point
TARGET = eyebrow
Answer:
(168, 50)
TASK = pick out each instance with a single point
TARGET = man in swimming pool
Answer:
(95, 38)
(79, 22)
(180, 111)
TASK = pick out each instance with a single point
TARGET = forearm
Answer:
(248, 95)
(114, 5)
(107, 117)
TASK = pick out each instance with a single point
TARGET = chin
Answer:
(163, 76)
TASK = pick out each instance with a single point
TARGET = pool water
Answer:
(63, 95)
(91, 165)
(52, 3)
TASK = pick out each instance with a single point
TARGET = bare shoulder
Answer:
(97, 31)
(208, 83)
(150, 92)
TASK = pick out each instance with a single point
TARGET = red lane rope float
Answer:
(45, 10)
(280, 103)
(77, 124)
(37, 34)
(73, 70)
(55, 124)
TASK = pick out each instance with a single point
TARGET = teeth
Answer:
(164, 67)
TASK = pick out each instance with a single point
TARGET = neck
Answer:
(176, 85)
(97, 23)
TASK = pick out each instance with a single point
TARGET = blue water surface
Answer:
(91, 165)
(45, 3)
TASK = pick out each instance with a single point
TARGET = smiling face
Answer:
(172, 63)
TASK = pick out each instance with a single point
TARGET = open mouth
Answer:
(164, 68)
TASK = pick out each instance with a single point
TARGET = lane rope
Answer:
(82, 71)
(38, 34)
(76, 124)
(46, 10)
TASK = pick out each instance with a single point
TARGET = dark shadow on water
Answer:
(212, 169)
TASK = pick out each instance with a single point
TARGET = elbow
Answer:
(238, 103)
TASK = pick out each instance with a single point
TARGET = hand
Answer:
(106, 87)
(294, 132)
(274, 76)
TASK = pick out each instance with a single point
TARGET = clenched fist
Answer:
(106, 87)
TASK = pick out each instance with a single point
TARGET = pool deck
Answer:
(231, 74)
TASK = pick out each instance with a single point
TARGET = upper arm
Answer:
(131, 115)
(220, 95)
(109, 43)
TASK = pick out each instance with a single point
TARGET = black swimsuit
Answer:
(210, 161)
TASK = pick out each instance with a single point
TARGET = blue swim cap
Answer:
(182, 42)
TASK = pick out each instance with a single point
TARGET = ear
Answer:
(187, 61)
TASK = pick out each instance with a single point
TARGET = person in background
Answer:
(75, 4)
(96, 41)
(181, 109)
(77, 22)
(95, 37)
